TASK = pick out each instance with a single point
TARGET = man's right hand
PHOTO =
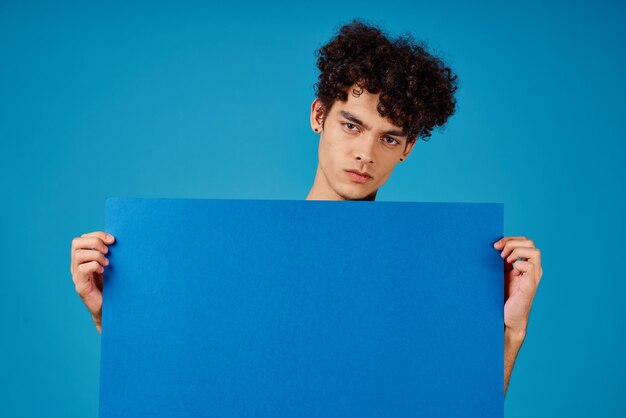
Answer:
(87, 268)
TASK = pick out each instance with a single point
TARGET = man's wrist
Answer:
(513, 339)
(513, 335)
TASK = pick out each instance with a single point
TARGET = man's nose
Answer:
(364, 151)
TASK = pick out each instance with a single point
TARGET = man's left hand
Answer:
(522, 274)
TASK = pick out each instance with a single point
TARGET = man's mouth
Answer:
(358, 176)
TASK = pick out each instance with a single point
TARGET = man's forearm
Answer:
(512, 343)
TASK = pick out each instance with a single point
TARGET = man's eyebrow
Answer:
(356, 120)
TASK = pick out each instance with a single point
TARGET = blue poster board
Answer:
(283, 308)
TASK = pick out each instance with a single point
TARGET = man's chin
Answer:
(355, 194)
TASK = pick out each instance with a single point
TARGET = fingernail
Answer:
(109, 237)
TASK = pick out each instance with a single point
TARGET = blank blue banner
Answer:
(283, 308)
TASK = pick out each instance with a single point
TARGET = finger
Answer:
(515, 243)
(524, 266)
(500, 243)
(107, 238)
(89, 243)
(527, 284)
(531, 253)
(83, 256)
(86, 243)
(83, 279)
(87, 288)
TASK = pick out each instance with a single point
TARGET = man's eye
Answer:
(349, 125)
(392, 139)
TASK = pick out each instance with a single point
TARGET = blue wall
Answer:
(184, 100)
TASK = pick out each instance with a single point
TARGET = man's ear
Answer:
(317, 115)
(409, 148)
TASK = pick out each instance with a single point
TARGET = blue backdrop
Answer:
(189, 100)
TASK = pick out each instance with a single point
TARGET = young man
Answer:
(375, 98)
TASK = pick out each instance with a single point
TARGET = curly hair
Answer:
(416, 88)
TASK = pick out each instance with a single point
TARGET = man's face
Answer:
(355, 137)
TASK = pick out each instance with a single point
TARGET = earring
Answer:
(315, 129)
(401, 159)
